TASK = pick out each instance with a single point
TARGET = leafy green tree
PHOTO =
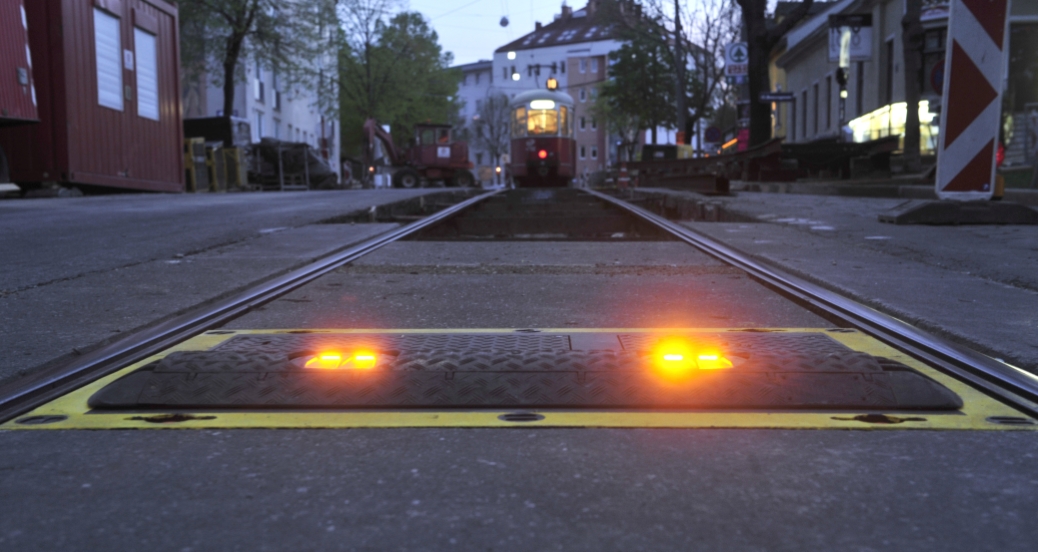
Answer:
(693, 37)
(392, 69)
(292, 38)
(641, 84)
(619, 121)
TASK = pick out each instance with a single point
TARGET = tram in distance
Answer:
(543, 149)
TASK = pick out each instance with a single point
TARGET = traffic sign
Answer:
(768, 97)
(972, 107)
(713, 135)
(736, 59)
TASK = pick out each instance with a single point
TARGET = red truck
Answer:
(433, 156)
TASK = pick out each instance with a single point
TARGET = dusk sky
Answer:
(471, 30)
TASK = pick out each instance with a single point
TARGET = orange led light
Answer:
(325, 361)
(360, 360)
(543, 154)
(712, 362)
(364, 360)
(675, 358)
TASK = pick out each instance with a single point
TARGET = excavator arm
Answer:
(374, 132)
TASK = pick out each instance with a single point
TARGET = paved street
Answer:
(79, 271)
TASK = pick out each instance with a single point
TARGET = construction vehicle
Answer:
(433, 156)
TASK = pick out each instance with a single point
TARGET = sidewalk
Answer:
(977, 285)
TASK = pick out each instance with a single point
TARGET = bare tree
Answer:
(912, 41)
(695, 38)
(713, 24)
(491, 130)
(761, 38)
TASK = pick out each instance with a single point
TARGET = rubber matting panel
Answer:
(770, 371)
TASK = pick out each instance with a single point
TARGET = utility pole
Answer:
(679, 72)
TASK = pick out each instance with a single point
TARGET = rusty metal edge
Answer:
(1002, 381)
(22, 396)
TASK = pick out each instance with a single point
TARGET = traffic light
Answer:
(841, 77)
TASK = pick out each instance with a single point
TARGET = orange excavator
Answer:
(433, 156)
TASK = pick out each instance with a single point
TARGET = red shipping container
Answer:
(107, 77)
(17, 97)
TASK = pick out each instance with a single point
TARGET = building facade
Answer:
(573, 49)
(476, 86)
(273, 109)
(875, 103)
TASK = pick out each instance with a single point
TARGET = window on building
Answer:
(479, 158)
(275, 87)
(259, 126)
(479, 105)
(477, 78)
(594, 124)
(583, 152)
(277, 129)
(793, 120)
(583, 124)
(859, 92)
(259, 82)
(562, 67)
(594, 152)
(109, 54)
(582, 94)
(888, 96)
(583, 66)
(829, 102)
(803, 117)
(817, 101)
(147, 74)
(504, 73)
(594, 65)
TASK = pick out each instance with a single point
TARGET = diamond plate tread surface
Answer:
(807, 344)
(285, 344)
(386, 389)
(820, 374)
(509, 361)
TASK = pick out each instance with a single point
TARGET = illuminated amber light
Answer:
(364, 361)
(543, 154)
(675, 358)
(360, 360)
(325, 361)
(712, 362)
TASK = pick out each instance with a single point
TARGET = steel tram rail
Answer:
(1002, 381)
(23, 396)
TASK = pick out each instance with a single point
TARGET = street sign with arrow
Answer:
(736, 60)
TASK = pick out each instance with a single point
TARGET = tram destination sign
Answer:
(769, 97)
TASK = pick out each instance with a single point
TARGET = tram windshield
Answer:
(537, 121)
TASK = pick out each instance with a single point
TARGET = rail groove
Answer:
(23, 395)
(1003, 381)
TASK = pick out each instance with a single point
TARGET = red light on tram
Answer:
(543, 154)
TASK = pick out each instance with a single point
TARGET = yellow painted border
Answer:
(978, 406)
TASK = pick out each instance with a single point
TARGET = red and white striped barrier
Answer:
(971, 115)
